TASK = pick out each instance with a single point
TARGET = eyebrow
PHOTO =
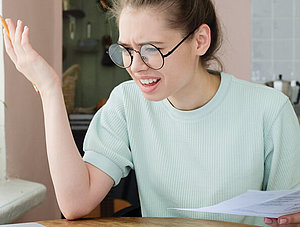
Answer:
(140, 44)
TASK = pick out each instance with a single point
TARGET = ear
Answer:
(203, 39)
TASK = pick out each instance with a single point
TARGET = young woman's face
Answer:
(137, 27)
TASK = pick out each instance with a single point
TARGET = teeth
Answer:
(150, 81)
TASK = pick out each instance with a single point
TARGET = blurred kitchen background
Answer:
(276, 43)
(275, 39)
(87, 33)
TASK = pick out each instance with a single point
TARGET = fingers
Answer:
(290, 219)
(19, 31)
(271, 221)
(16, 41)
(19, 39)
(25, 40)
(16, 34)
(8, 47)
(11, 28)
(287, 220)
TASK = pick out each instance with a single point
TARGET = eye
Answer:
(149, 50)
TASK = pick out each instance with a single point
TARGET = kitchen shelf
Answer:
(77, 13)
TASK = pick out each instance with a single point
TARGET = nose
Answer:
(137, 62)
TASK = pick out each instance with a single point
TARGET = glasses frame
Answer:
(138, 51)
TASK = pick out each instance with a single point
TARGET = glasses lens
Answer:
(119, 55)
(152, 56)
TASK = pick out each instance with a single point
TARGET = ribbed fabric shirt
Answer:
(246, 137)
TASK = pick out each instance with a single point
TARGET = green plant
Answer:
(4, 103)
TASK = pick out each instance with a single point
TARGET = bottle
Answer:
(66, 5)
(89, 30)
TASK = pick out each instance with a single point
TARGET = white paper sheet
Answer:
(271, 204)
(28, 224)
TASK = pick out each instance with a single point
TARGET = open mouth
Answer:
(149, 82)
(148, 86)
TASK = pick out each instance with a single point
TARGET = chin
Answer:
(153, 98)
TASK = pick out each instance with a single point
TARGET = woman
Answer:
(194, 138)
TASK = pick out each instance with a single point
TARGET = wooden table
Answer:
(138, 221)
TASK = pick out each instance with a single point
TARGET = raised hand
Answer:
(26, 59)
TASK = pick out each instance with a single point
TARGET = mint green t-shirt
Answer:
(246, 137)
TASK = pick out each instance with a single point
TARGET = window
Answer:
(275, 39)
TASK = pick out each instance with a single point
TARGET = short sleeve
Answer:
(282, 151)
(106, 144)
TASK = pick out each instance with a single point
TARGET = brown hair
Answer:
(183, 15)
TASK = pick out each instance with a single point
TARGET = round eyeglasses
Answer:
(150, 54)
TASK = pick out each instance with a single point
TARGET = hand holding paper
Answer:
(271, 204)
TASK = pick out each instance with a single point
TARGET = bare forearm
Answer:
(68, 171)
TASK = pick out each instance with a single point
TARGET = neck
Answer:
(198, 92)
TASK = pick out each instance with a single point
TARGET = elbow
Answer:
(70, 217)
(73, 209)
(73, 214)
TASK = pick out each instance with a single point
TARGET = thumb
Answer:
(289, 219)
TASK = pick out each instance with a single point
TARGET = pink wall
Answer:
(235, 17)
(26, 150)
